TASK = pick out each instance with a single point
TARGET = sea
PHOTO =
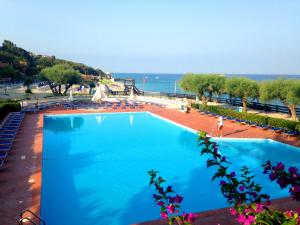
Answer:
(156, 82)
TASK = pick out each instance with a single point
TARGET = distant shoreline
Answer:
(226, 74)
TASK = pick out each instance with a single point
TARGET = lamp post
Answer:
(144, 80)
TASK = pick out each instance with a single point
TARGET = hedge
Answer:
(258, 119)
(8, 106)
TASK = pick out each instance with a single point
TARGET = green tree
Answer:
(287, 91)
(22, 61)
(27, 82)
(243, 88)
(216, 84)
(9, 72)
(203, 85)
(43, 62)
(60, 75)
(27, 65)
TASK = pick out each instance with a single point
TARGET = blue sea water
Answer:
(166, 82)
(94, 167)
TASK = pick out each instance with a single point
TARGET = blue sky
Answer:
(161, 36)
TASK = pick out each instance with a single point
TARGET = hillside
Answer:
(19, 64)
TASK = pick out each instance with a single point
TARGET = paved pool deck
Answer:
(20, 177)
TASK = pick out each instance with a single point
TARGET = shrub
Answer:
(288, 124)
(264, 120)
(7, 107)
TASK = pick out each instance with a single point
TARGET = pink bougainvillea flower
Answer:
(245, 220)
(164, 215)
(160, 191)
(232, 174)
(272, 176)
(241, 218)
(283, 182)
(191, 217)
(171, 208)
(178, 199)
(155, 196)
(249, 220)
(279, 166)
(233, 211)
(289, 213)
(259, 208)
(241, 188)
(169, 189)
(254, 194)
(292, 170)
(160, 203)
(171, 199)
(296, 189)
(222, 182)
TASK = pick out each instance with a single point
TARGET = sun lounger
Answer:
(8, 129)
(3, 155)
(5, 127)
(16, 113)
(261, 126)
(7, 132)
(7, 136)
(30, 110)
(13, 121)
(276, 129)
(5, 147)
(5, 142)
(289, 134)
(10, 116)
(9, 123)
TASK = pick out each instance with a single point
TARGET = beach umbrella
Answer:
(71, 95)
(102, 88)
(97, 96)
(131, 119)
(131, 97)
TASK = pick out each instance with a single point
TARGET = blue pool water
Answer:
(95, 167)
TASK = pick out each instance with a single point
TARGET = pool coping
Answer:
(189, 121)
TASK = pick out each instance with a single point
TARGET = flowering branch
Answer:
(236, 191)
(241, 192)
(285, 178)
(169, 202)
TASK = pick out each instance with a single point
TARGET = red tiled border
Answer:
(17, 193)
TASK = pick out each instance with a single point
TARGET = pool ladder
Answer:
(32, 218)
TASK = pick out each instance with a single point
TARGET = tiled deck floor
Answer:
(21, 179)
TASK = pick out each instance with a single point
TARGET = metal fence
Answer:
(231, 101)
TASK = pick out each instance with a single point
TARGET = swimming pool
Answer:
(94, 168)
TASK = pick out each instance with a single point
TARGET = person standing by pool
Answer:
(221, 124)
